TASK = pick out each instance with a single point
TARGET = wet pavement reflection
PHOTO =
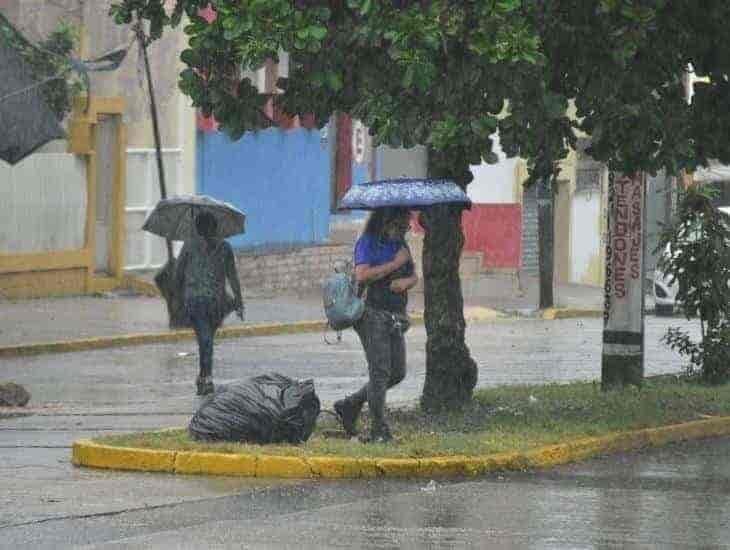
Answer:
(675, 497)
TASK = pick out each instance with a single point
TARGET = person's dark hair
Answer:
(206, 225)
(380, 218)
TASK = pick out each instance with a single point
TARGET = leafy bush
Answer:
(698, 259)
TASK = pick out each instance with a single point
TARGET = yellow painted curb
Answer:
(552, 314)
(88, 453)
(472, 314)
(214, 464)
(477, 314)
(140, 286)
(124, 340)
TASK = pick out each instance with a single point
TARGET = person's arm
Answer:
(232, 275)
(366, 273)
(404, 284)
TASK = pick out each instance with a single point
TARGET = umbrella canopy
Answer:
(174, 218)
(26, 121)
(405, 192)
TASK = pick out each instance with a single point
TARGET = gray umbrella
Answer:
(26, 122)
(174, 218)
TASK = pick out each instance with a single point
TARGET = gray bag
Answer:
(342, 305)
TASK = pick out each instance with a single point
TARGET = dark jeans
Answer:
(385, 349)
(202, 313)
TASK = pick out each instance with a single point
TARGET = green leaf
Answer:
(318, 32)
(334, 81)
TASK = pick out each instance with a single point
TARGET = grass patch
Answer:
(508, 418)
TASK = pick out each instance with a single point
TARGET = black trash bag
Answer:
(270, 408)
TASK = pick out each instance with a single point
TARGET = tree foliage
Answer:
(696, 255)
(433, 73)
(448, 74)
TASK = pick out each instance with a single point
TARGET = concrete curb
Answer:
(140, 286)
(88, 453)
(473, 314)
(553, 314)
(123, 340)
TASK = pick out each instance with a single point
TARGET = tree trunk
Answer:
(451, 373)
(164, 279)
(545, 242)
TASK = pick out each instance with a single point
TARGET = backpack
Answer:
(342, 305)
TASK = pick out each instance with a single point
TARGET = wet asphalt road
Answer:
(675, 497)
(46, 502)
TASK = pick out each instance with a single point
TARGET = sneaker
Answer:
(379, 436)
(204, 385)
(348, 416)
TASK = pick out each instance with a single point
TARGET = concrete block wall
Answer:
(530, 249)
(296, 270)
(304, 269)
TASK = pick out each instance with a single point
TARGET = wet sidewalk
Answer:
(121, 313)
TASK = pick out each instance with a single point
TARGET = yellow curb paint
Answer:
(87, 344)
(91, 454)
(397, 467)
(333, 468)
(368, 467)
(140, 286)
(552, 314)
(88, 453)
(342, 467)
(283, 467)
(448, 466)
(480, 314)
(476, 314)
(215, 464)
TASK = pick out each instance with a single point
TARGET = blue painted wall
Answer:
(280, 179)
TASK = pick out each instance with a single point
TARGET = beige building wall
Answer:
(99, 36)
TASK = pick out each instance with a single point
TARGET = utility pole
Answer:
(623, 331)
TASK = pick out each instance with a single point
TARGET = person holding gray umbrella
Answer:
(204, 265)
(384, 268)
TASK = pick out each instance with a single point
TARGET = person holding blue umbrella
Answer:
(384, 270)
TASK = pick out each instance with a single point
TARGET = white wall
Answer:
(494, 183)
(43, 204)
(585, 234)
(144, 250)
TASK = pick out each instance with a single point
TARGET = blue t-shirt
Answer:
(370, 250)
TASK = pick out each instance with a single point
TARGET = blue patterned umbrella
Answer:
(411, 193)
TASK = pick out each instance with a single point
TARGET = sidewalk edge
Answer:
(90, 454)
(553, 313)
(236, 331)
(122, 340)
(471, 314)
